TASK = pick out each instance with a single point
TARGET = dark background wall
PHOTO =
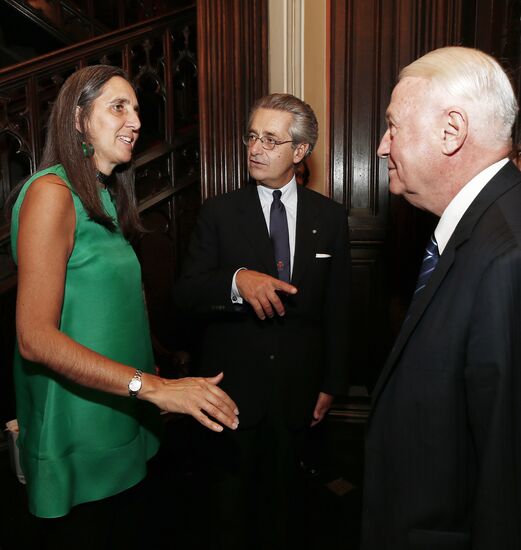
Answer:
(200, 64)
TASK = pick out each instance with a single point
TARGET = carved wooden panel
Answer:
(55, 23)
(495, 27)
(233, 57)
(161, 61)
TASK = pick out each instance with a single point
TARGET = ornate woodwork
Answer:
(70, 21)
(233, 69)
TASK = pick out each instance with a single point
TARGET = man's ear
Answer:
(455, 130)
(77, 118)
(300, 152)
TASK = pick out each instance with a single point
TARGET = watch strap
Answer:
(135, 383)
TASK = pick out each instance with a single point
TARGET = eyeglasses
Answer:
(267, 143)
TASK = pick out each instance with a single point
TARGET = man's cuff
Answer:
(235, 294)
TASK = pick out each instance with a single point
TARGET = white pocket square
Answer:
(319, 255)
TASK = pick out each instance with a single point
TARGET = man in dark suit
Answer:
(443, 451)
(269, 265)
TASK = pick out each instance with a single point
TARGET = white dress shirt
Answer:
(460, 203)
(289, 199)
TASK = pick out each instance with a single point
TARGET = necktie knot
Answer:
(276, 195)
(432, 248)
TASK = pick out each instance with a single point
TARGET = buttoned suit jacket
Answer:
(280, 363)
(443, 448)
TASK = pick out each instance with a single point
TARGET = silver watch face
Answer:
(134, 385)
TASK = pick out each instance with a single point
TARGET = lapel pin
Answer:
(314, 231)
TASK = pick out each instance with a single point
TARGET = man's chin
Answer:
(255, 171)
(396, 187)
(415, 200)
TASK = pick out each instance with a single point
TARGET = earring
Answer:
(87, 148)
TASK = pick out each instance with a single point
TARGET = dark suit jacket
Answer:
(443, 452)
(281, 362)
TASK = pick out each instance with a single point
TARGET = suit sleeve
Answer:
(493, 383)
(204, 284)
(336, 312)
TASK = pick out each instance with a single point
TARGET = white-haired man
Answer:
(443, 452)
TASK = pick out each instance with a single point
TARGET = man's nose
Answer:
(256, 148)
(385, 144)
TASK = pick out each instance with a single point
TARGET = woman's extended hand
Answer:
(199, 397)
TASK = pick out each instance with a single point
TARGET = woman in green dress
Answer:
(84, 371)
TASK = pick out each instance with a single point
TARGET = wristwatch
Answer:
(135, 383)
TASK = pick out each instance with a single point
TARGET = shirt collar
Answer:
(289, 191)
(459, 204)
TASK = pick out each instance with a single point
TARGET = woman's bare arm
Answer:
(45, 242)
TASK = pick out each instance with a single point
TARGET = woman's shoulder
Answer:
(51, 173)
(50, 184)
(49, 187)
(45, 206)
(46, 192)
(50, 193)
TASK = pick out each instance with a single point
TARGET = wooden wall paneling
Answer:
(169, 68)
(205, 97)
(495, 27)
(341, 74)
(513, 52)
(169, 73)
(359, 54)
(439, 24)
(17, 142)
(488, 31)
(232, 53)
(185, 135)
(370, 42)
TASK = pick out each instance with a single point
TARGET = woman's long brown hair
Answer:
(64, 146)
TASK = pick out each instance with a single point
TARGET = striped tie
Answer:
(430, 259)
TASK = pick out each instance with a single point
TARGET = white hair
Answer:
(474, 76)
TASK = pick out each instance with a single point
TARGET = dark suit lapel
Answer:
(417, 308)
(306, 234)
(506, 178)
(254, 230)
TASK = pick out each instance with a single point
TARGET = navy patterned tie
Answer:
(280, 236)
(430, 259)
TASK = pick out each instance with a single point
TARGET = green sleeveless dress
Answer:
(78, 444)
